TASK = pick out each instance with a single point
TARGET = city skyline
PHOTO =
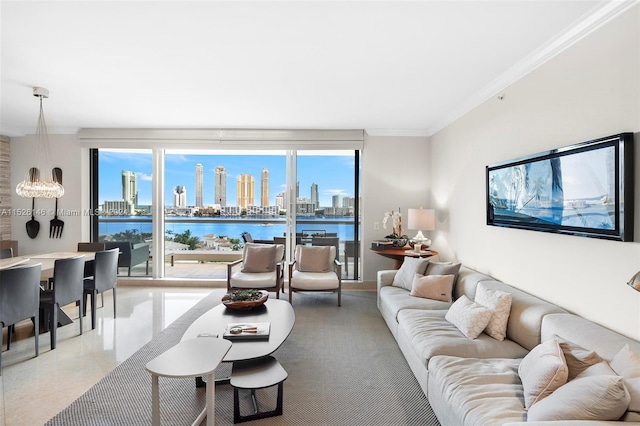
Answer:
(180, 170)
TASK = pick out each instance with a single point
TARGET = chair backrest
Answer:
(279, 250)
(91, 247)
(332, 255)
(68, 275)
(349, 248)
(246, 237)
(105, 275)
(6, 253)
(327, 241)
(19, 293)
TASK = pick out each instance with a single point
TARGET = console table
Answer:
(398, 254)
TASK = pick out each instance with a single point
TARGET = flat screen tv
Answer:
(586, 189)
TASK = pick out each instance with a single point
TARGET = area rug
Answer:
(343, 365)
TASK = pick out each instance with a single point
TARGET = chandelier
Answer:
(36, 185)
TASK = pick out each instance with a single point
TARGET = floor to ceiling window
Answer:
(212, 198)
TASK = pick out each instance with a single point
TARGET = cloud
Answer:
(144, 176)
(334, 192)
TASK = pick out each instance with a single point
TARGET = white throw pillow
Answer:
(626, 363)
(602, 397)
(469, 317)
(410, 267)
(542, 371)
(437, 287)
(499, 302)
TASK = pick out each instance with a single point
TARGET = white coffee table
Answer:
(189, 358)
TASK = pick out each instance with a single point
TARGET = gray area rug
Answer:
(344, 368)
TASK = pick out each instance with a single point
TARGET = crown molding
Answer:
(582, 28)
(398, 132)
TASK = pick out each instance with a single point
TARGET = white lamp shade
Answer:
(421, 219)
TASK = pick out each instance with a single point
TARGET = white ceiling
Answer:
(385, 66)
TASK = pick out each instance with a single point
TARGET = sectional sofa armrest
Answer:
(385, 278)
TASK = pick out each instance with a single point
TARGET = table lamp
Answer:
(422, 220)
(634, 282)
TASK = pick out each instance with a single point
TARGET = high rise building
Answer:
(264, 188)
(315, 200)
(180, 196)
(220, 187)
(130, 187)
(280, 200)
(335, 201)
(245, 190)
(199, 185)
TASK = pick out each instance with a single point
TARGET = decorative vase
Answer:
(398, 242)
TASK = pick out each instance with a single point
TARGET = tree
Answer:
(186, 238)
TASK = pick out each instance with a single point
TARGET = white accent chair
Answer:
(261, 267)
(315, 268)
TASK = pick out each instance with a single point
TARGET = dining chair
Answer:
(6, 253)
(315, 268)
(105, 277)
(89, 265)
(65, 287)
(20, 299)
(262, 267)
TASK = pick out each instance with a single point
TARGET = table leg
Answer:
(155, 397)
(211, 401)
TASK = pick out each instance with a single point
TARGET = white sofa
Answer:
(476, 382)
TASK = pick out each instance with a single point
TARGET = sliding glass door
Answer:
(215, 200)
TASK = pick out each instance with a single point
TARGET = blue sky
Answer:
(333, 172)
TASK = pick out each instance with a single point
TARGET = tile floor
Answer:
(35, 389)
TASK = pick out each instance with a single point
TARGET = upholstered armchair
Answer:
(261, 267)
(315, 268)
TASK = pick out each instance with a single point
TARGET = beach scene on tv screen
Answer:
(577, 190)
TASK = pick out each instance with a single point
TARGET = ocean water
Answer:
(260, 229)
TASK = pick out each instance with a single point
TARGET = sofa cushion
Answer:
(600, 397)
(394, 299)
(437, 287)
(410, 267)
(469, 317)
(626, 363)
(542, 371)
(499, 302)
(527, 311)
(577, 357)
(430, 334)
(477, 391)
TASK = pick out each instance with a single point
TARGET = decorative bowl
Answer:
(260, 297)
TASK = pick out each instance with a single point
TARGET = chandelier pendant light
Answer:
(40, 181)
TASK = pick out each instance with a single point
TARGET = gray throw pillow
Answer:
(410, 267)
(314, 259)
(444, 268)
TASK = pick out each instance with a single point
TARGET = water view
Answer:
(260, 229)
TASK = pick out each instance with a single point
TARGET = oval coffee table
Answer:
(213, 323)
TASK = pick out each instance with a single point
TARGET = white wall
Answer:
(395, 174)
(66, 154)
(591, 90)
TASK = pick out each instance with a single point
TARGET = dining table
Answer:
(47, 262)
